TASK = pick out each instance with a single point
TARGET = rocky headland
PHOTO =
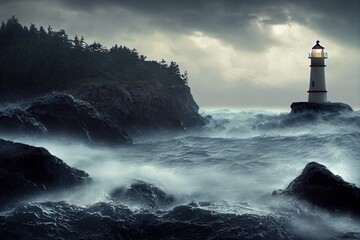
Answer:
(63, 88)
(85, 91)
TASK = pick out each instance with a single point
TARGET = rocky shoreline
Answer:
(144, 106)
(26, 170)
(103, 115)
(61, 115)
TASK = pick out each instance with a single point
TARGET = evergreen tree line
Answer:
(38, 60)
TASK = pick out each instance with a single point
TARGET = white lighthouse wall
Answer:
(317, 83)
(318, 97)
(317, 75)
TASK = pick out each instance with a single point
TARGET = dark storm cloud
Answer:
(243, 24)
(235, 21)
(338, 19)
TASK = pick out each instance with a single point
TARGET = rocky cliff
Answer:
(144, 106)
(103, 114)
(128, 91)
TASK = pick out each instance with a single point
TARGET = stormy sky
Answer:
(238, 53)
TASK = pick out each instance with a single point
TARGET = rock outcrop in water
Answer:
(18, 121)
(62, 114)
(300, 107)
(319, 186)
(27, 170)
(144, 106)
(143, 194)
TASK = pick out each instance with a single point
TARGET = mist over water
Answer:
(231, 166)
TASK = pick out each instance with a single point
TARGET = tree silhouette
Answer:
(34, 61)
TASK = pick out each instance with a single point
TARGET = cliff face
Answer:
(144, 106)
(100, 114)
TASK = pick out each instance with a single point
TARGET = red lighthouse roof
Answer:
(318, 46)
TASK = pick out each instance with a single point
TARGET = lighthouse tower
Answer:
(317, 87)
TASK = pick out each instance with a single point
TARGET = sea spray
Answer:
(226, 171)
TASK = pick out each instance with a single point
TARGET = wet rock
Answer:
(319, 186)
(300, 107)
(26, 170)
(19, 121)
(144, 106)
(62, 115)
(143, 194)
(101, 113)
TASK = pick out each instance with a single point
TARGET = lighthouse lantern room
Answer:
(317, 87)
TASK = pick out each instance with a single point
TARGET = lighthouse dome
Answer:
(317, 45)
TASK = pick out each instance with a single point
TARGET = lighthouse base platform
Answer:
(299, 107)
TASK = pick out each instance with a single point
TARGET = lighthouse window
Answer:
(313, 83)
(317, 53)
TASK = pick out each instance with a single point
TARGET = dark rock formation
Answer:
(144, 105)
(62, 114)
(19, 121)
(300, 107)
(26, 170)
(144, 194)
(319, 186)
(99, 113)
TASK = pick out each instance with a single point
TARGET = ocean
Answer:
(221, 178)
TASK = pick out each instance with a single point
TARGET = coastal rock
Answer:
(144, 194)
(63, 115)
(319, 186)
(300, 107)
(26, 170)
(19, 121)
(144, 105)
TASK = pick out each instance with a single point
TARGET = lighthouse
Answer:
(317, 87)
(317, 101)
